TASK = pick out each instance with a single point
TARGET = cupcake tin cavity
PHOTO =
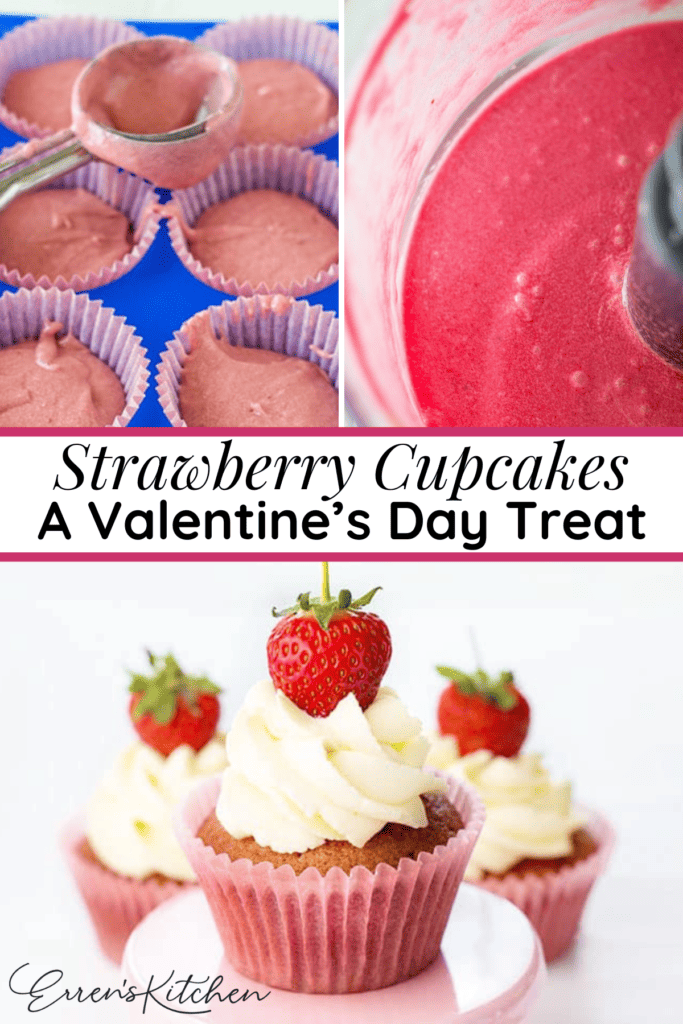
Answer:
(490, 968)
(159, 294)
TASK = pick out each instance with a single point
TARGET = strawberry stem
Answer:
(325, 595)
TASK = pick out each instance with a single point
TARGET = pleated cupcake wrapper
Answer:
(314, 46)
(247, 168)
(124, 192)
(272, 322)
(46, 40)
(336, 932)
(554, 901)
(23, 315)
(116, 904)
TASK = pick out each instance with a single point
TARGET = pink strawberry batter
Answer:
(265, 236)
(61, 233)
(513, 310)
(228, 386)
(283, 101)
(42, 95)
(55, 382)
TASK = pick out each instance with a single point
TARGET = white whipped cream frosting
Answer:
(527, 814)
(129, 819)
(294, 781)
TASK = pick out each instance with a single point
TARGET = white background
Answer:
(32, 465)
(595, 647)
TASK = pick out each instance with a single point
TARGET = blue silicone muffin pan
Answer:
(159, 294)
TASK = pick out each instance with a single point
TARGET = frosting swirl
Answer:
(295, 781)
(527, 814)
(129, 819)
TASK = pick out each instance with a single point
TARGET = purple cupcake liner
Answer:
(281, 168)
(314, 46)
(276, 323)
(46, 40)
(23, 314)
(335, 932)
(120, 190)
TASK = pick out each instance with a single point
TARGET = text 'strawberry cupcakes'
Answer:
(290, 72)
(268, 361)
(265, 222)
(123, 853)
(65, 361)
(329, 857)
(39, 63)
(536, 847)
(86, 229)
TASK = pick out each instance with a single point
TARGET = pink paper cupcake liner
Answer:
(554, 902)
(314, 46)
(124, 192)
(277, 323)
(247, 168)
(115, 904)
(46, 40)
(23, 314)
(336, 932)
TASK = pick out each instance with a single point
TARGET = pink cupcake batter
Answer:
(62, 232)
(513, 310)
(56, 383)
(283, 101)
(265, 236)
(228, 386)
(42, 95)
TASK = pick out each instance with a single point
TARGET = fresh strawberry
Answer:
(325, 648)
(170, 708)
(483, 713)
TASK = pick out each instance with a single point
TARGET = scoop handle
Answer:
(654, 281)
(27, 170)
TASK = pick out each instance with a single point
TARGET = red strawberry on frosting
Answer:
(483, 713)
(169, 708)
(325, 648)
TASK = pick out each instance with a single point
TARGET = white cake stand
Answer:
(489, 971)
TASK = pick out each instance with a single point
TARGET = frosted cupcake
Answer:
(329, 857)
(124, 855)
(537, 848)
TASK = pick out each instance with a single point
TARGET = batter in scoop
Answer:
(56, 383)
(228, 386)
(62, 232)
(513, 310)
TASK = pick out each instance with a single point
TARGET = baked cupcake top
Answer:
(56, 382)
(129, 819)
(62, 232)
(320, 751)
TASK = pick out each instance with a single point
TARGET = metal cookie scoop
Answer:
(654, 282)
(163, 108)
